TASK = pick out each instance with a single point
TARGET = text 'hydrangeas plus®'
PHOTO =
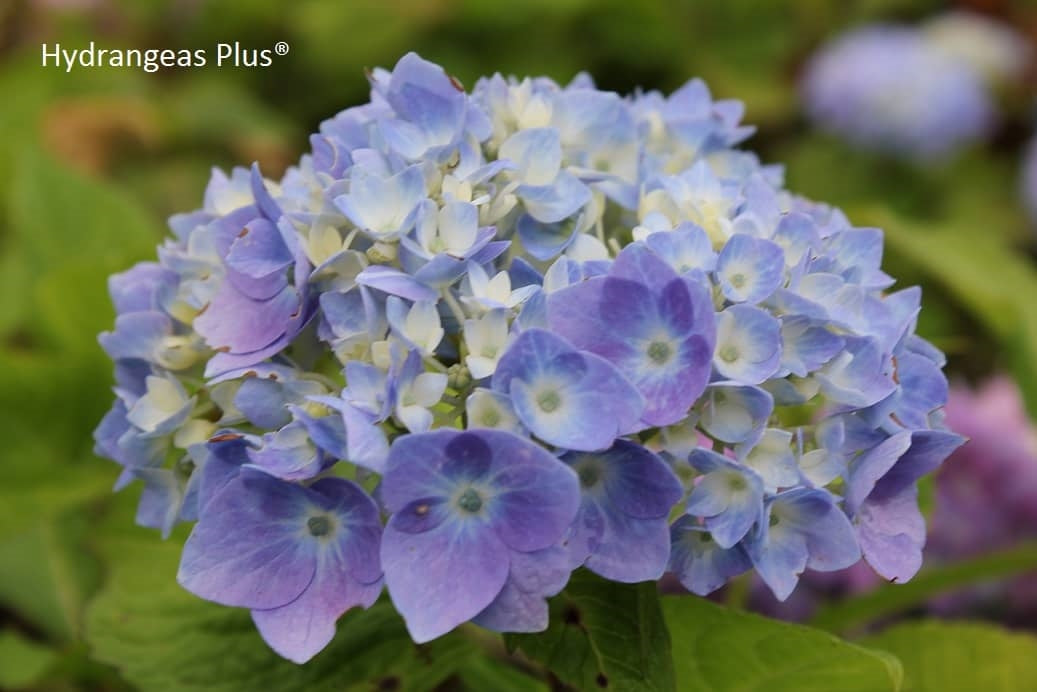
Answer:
(473, 342)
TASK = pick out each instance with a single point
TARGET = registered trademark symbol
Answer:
(281, 48)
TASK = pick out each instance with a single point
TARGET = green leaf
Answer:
(161, 637)
(716, 650)
(943, 656)
(604, 635)
(890, 599)
(68, 232)
(483, 673)
(75, 306)
(24, 504)
(212, 107)
(58, 215)
(964, 266)
(14, 276)
(46, 574)
(50, 403)
(864, 177)
(22, 661)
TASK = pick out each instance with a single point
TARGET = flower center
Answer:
(775, 520)
(728, 354)
(470, 501)
(737, 280)
(185, 466)
(589, 475)
(318, 526)
(659, 352)
(549, 401)
(491, 418)
(736, 483)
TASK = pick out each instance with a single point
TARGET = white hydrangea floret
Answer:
(486, 339)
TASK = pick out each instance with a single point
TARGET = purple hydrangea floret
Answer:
(464, 506)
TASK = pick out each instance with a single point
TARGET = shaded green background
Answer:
(93, 161)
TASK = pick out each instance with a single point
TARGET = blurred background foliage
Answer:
(93, 161)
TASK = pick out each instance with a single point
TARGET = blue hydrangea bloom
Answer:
(749, 344)
(532, 578)
(655, 326)
(728, 496)
(567, 398)
(750, 269)
(297, 557)
(535, 318)
(882, 496)
(621, 531)
(733, 413)
(462, 504)
(290, 453)
(699, 562)
(800, 528)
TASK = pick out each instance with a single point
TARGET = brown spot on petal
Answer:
(204, 308)
(225, 437)
(272, 376)
(222, 349)
(244, 232)
(250, 373)
(421, 510)
(456, 82)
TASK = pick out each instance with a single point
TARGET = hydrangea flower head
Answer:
(473, 342)
(889, 89)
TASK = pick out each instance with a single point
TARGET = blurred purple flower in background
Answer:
(1028, 180)
(986, 495)
(886, 88)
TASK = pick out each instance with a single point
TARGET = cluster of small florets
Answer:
(975, 511)
(914, 92)
(474, 342)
